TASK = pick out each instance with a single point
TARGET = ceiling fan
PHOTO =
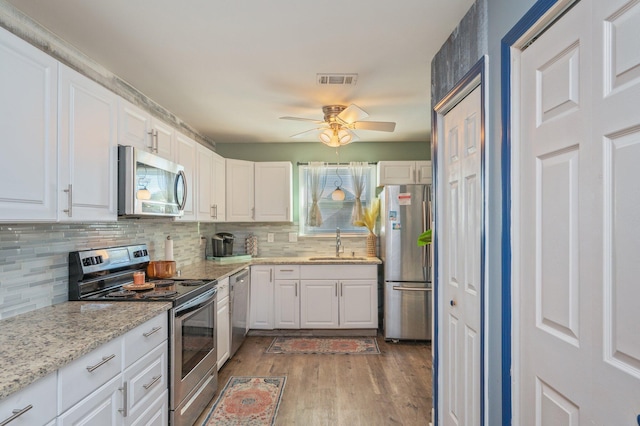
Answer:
(339, 123)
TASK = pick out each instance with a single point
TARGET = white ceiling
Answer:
(231, 68)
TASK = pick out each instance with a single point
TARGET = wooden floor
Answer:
(393, 388)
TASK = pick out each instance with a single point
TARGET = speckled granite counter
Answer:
(37, 343)
(210, 269)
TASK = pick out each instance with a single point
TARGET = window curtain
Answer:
(358, 174)
(317, 175)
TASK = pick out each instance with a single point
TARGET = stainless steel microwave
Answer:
(149, 185)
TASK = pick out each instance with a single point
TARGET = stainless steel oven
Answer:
(193, 375)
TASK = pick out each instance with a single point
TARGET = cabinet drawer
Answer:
(287, 272)
(146, 380)
(223, 288)
(40, 396)
(339, 272)
(144, 338)
(157, 414)
(86, 374)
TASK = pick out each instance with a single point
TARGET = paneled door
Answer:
(459, 246)
(578, 228)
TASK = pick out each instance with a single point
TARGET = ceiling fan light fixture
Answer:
(335, 138)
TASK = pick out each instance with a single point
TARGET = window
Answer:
(320, 213)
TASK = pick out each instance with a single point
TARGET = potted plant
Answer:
(369, 218)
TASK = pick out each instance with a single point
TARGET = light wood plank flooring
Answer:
(393, 388)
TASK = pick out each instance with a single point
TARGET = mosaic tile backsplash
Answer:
(34, 257)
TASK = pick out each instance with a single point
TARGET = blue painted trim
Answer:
(532, 16)
(478, 69)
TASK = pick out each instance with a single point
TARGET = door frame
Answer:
(536, 20)
(475, 77)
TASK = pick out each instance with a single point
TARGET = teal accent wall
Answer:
(304, 152)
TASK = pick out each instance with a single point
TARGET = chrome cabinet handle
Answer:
(152, 382)
(105, 359)
(296, 289)
(125, 400)
(212, 211)
(153, 330)
(336, 289)
(153, 133)
(340, 289)
(215, 211)
(69, 209)
(286, 270)
(16, 413)
(270, 275)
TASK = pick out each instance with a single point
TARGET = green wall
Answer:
(304, 152)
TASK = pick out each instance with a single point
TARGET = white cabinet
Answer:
(404, 172)
(287, 296)
(186, 157)
(343, 296)
(259, 192)
(87, 177)
(223, 324)
(273, 191)
(138, 128)
(240, 190)
(211, 186)
(28, 119)
(118, 382)
(33, 406)
(261, 297)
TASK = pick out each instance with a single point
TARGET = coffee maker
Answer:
(222, 244)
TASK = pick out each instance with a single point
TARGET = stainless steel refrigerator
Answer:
(406, 213)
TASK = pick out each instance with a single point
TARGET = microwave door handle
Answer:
(183, 202)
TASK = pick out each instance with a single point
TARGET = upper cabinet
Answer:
(137, 128)
(273, 191)
(259, 192)
(28, 119)
(185, 148)
(87, 172)
(211, 186)
(404, 172)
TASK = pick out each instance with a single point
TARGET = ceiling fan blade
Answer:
(306, 132)
(313, 120)
(383, 126)
(352, 113)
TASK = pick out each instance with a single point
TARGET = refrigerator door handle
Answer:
(424, 248)
(423, 289)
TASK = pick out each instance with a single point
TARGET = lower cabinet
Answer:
(287, 304)
(123, 382)
(319, 304)
(261, 297)
(223, 322)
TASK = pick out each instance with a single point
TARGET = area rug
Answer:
(251, 401)
(324, 345)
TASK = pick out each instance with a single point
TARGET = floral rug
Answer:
(324, 345)
(251, 401)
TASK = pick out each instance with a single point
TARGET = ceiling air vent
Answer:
(337, 79)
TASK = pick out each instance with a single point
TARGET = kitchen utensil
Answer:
(139, 287)
(161, 269)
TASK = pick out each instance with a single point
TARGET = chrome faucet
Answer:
(338, 242)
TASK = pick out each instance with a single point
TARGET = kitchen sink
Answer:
(338, 258)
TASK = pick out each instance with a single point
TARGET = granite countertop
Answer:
(37, 343)
(210, 269)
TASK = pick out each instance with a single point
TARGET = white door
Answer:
(578, 230)
(458, 232)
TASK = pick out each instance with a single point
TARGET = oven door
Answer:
(194, 377)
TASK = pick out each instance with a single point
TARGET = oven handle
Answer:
(197, 303)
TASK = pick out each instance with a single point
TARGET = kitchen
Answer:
(33, 252)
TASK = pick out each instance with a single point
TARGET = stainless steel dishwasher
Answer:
(239, 308)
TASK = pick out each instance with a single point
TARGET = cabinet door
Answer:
(358, 304)
(287, 304)
(104, 407)
(186, 156)
(87, 182)
(240, 190)
(134, 126)
(261, 298)
(219, 188)
(273, 192)
(145, 381)
(223, 322)
(319, 304)
(156, 414)
(423, 172)
(28, 119)
(164, 137)
(204, 202)
(396, 172)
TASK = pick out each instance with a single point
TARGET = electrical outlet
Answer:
(270, 237)
(293, 237)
